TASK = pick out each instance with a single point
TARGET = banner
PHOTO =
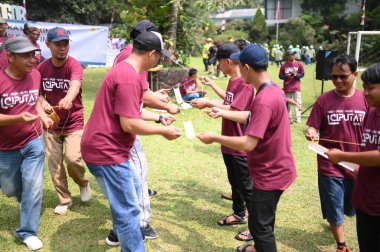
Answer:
(88, 43)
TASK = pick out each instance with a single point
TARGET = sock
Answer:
(341, 244)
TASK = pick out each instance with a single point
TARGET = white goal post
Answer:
(359, 35)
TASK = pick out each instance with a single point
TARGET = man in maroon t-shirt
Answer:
(110, 134)
(61, 88)
(338, 116)
(237, 97)
(22, 153)
(367, 186)
(291, 72)
(267, 140)
(189, 87)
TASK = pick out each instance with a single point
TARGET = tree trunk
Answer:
(173, 17)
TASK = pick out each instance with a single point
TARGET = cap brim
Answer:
(166, 53)
(59, 39)
(27, 49)
(235, 56)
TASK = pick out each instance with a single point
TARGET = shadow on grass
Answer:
(186, 214)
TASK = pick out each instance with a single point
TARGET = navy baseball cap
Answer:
(291, 52)
(150, 40)
(225, 50)
(57, 34)
(253, 54)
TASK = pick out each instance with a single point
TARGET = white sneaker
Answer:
(33, 243)
(62, 208)
(85, 193)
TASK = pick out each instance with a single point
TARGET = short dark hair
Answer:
(192, 71)
(258, 68)
(241, 43)
(346, 60)
(372, 74)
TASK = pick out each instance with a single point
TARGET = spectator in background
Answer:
(189, 87)
(291, 72)
(206, 47)
(297, 53)
(115, 41)
(211, 58)
(121, 42)
(3, 37)
(33, 33)
(278, 56)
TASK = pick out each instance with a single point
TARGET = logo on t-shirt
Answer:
(335, 117)
(291, 70)
(9, 100)
(52, 83)
(371, 137)
(229, 98)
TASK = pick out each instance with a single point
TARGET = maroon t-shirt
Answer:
(341, 119)
(292, 83)
(188, 84)
(3, 55)
(103, 141)
(271, 164)
(55, 81)
(366, 195)
(38, 53)
(123, 55)
(17, 96)
(239, 96)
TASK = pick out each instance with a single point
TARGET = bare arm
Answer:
(208, 82)
(244, 143)
(311, 134)
(24, 117)
(151, 101)
(233, 115)
(366, 158)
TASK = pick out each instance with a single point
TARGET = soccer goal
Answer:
(365, 47)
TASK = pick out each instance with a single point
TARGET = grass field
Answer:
(189, 177)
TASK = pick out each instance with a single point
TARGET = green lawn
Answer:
(189, 177)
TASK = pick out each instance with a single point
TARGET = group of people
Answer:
(255, 137)
(305, 54)
(116, 42)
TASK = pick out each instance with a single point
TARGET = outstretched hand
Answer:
(28, 118)
(215, 112)
(206, 137)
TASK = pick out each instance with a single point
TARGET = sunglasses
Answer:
(340, 76)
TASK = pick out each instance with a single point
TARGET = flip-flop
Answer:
(238, 221)
(244, 248)
(248, 236)
(226, 196)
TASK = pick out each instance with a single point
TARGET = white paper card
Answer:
(190, 133)
(178, 96)
(321, 151)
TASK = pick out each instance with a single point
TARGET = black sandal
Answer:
(244, 248)
(239, 221)
(248, 236)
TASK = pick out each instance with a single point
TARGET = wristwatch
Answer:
(160, 117)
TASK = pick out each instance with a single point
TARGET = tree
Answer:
(258, 32)
(297, 32)
(173, 19)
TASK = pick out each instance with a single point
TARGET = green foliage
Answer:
(296, 32)
(258, 31)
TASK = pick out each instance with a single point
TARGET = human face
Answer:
(372, 94)
(59, 50)
(3, 29)
(244, 71)
(343, 79)
(224, 64)
(155, 57)
(23, 62)
(34, 35)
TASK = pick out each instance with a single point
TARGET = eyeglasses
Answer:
(340, 76)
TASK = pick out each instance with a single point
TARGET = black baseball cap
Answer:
(225, 50)
(150, 40)
(142, 26)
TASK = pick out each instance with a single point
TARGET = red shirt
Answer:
(55, 81)
(38, 53)
(103, 141)
(123, 55)
(271, 164)
(17, 96)
(239, 96)
(292, 84)
(341, 119)
(188, 84)
(366, 195)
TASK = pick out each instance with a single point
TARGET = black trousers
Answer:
(262, 216)
(240, 181)
(368, 229)
(205, 62)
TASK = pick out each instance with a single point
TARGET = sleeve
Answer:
(243, 97)
(316, 116)
(39, 70)
(76, 71)
(282, 74)
(128, 97)
(301, 71)
(261, 116)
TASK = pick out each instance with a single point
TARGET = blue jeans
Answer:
(122, 186)
(22, 176)
(193, 96)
